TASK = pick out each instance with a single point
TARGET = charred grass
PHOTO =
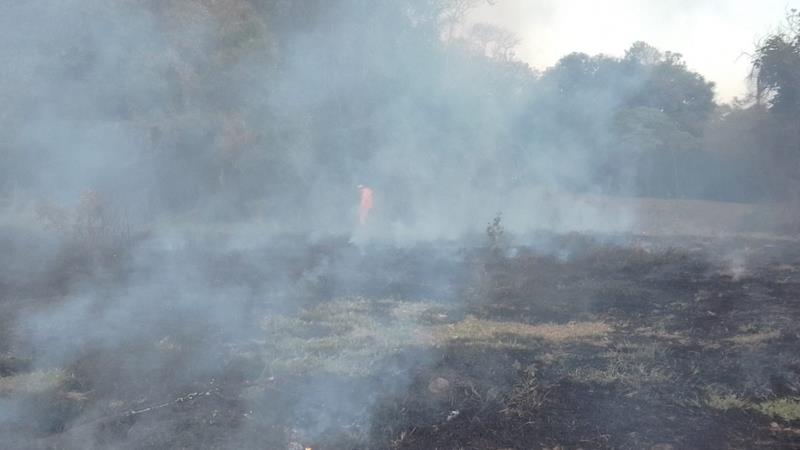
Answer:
(642, 345)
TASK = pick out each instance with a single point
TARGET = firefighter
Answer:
(365, 204)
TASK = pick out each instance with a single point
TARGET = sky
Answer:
(715, 37)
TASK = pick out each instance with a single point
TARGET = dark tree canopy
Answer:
(776, 68)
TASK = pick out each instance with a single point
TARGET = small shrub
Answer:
(526, 397)
(496, 234)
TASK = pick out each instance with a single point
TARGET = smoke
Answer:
(159, 110)
(221, 130)
(232, 136)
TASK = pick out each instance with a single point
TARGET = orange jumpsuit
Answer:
(365, 206)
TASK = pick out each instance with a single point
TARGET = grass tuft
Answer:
(32, 383)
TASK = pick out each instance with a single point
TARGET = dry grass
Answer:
(342, 337)
(660, 333)
(349, 336)
(633, 365)
(787, 409)
(474, 329)
(784, 408)
(756, 338)
(526, 396)
(31, 383)
(725, 402)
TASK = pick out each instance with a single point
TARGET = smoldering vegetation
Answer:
(571, 341)
(181, 264)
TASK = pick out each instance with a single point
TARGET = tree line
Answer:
(251, 106)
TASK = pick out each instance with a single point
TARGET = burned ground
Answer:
(630, 343)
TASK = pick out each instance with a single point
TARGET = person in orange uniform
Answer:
(365, 204)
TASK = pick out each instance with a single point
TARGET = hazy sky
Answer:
(713, 36)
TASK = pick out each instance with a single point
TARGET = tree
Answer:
(669, 86)
(776, 68)
(642, 116)
(644, 54)
(776, 72)
(493, 42)
(657, 147)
